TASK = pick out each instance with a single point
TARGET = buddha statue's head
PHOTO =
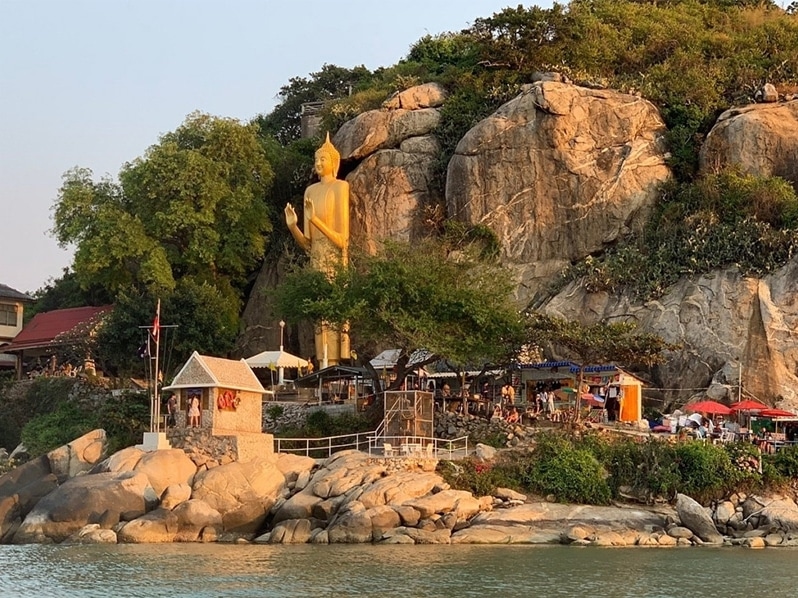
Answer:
(333, 158)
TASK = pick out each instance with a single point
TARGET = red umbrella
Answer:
(708, 406)
(748, 405)
(776, 413)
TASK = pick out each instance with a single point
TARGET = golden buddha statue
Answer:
(325, 236)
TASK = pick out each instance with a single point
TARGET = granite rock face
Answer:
(562, 172)
(558, 173)
(720, 319)
(760, 139)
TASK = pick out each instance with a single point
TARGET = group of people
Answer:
(508, 414)
(193, 415)
(52, 369)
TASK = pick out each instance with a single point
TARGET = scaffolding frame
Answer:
(409, 413)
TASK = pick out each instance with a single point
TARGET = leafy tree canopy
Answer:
(429, 295)
(616, 342)
(192, 206)
(331, 82)
(202, 320)
(64, 292)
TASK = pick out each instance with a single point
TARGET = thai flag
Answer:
(156, 323)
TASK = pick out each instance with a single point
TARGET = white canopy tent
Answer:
(276, 359)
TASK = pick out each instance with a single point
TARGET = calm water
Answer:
(178, 570)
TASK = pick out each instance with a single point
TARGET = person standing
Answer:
(171, 411)
(550, 402)
(508, 394)
(194, 412)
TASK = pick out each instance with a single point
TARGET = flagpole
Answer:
(156, 401)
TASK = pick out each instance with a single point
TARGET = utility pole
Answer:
(281, 376)
(740, 383)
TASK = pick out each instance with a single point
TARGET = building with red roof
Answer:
(49, 331)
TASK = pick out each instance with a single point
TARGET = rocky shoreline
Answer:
(71, 496)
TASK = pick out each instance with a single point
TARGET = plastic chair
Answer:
(387, 450)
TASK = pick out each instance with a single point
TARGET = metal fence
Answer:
(323, 447)
(376, 445)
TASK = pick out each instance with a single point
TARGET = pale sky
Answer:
(93, 83)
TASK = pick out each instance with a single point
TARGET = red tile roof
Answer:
(43, 329)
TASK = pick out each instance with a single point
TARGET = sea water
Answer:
(216, 570)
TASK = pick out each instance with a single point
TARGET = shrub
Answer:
(648, 467)
(124, 419)
(481, 479)
(706, 470)
(574, 475)
(722, 219)
(46, 432)
(785, 462)
(570, 472)
(275, 412)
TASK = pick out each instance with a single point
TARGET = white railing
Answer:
(376, 445)
(419, 446)
(323, 447)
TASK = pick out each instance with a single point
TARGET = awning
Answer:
(334, 372)
(469, 373)
(276, 359)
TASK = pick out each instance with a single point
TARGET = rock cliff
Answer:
(562, 172)
(558, 173)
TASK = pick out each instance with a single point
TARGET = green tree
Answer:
(331, 82)
(431, 295)
(192, 206)
(202, 320)
(615, 342)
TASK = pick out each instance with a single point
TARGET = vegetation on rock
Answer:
(592, 468)
(46, 413)
(723, 219)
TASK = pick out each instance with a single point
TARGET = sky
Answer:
(94, 83)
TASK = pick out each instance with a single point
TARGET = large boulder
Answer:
(193, 518)
(20, 490)
(382, 129)
(78, 456)
(449, 501)
(83, 500)
(166, 467)
(696, 518)
(353, 526)
(780, 513)
(242, 492)
(400, 488)
(559, 172)
(388, 191)
(155, 527)
(292, 466)
(124, 460)
(301, 505)
(427, 95)
(759, 139)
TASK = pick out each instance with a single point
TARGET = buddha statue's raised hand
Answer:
(290, 215)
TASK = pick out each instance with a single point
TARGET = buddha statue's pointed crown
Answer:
(328, 148)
